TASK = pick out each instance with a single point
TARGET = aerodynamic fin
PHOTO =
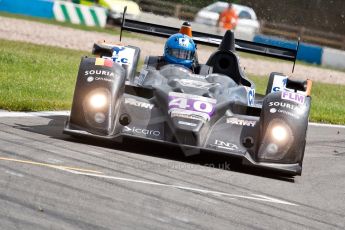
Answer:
(294, 62)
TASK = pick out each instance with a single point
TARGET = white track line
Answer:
(98, 174)
(326, 125)
(255, 197)
(34, 114)
(66, 113)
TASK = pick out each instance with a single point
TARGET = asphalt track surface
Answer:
(51, 181)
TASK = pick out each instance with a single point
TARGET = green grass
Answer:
(260, 83)
(328, 103)
(36, 78)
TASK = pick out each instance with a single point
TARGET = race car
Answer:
(210, 108)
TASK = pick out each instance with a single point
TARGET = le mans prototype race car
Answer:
(213, 108)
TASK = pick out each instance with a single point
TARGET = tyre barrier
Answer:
(333, 58)
(59, 10)
(33, 8)
(313, 54)
(79, 14)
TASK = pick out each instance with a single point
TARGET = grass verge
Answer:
(35, 78)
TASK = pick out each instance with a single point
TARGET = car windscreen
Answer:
(216, 9)
(244, 15)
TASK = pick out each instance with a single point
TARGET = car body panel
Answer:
(214, 111)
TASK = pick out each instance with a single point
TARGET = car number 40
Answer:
(184, 103)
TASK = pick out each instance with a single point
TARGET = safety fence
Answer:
(79, 14)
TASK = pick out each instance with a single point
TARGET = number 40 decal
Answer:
(191, 102)
(184, 103)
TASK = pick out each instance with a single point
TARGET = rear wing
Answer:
(210, 39)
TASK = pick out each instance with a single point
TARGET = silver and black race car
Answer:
(212, 108)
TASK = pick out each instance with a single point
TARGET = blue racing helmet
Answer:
(179, 49)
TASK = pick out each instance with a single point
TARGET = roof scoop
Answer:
(228, 41)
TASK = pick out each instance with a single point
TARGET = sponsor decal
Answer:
(117, 49)
(191, 104)
(195, 84)
(274, 110)
(141, 131)
(104, 62)
(181, 113)
(236, 121)
(285, 105)
(251, 96)
(91, 79)
(183, 42)
(99, 72)
(103, 79)
(141, 104)
(292, 110)
(123, 55)
(187, 123)
(225, 145)
(279, 83)
(99, 75)
(295, 97)
(142, 77)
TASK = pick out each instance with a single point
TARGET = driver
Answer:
(180, 50)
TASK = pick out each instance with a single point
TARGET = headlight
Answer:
(97, 108)
(279, 133)
(98, 100)
(277, 142)
(99, 117)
